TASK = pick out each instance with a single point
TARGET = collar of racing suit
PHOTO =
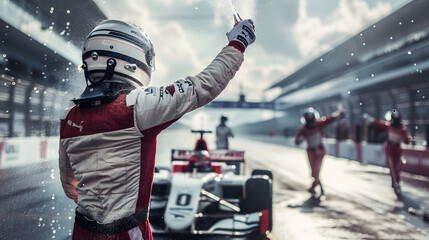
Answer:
(102, 93)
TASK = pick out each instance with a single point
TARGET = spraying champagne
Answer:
(237, 17)
(243, 32)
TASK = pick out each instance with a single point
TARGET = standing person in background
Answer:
(223, 132)
(108, 139)
(311, 132)
(396, 134)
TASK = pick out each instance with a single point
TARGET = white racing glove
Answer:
(243, 33)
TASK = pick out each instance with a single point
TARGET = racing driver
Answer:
(311, 131)
(108, 139)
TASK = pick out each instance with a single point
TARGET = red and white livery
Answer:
(108, 139)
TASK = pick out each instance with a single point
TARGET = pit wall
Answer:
(21, 151)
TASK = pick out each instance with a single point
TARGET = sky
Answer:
(188, 34)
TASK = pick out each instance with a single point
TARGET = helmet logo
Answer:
(94, 56)
(110, 69)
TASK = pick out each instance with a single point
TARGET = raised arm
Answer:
(165, 104)
(324, 121)
(375, 122)
(380, 124)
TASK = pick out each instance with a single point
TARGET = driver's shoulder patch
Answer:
(171, 89)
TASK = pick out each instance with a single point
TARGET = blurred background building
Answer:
(39, 57)
(383, 67)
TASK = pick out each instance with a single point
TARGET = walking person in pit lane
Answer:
(311, 132)
(223, 132)
(396, 134)
(108, 139)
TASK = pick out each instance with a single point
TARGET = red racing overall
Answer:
(392, 147)
(315, 149)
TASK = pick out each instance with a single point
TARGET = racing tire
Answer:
(258, 196)
(156, 218)
(256, 172)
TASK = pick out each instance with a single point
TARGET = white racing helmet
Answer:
(117, 57)
(395, 117)
(309, 117)
(120, 52)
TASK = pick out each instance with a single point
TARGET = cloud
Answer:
(311, 33)
(172, 2)
(223, 10)
(258, 73)
(187, 34)
(182, 50)
(175, 54)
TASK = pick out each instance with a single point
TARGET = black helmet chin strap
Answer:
(108, 74)
(101, 92)
(85, 71)
(110, 69)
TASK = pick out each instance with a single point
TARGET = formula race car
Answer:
(206, 192)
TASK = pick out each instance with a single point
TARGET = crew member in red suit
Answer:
(311, 132)
(396, 134)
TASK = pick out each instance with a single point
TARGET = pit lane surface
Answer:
(359, 202)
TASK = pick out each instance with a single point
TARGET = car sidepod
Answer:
(257, 197)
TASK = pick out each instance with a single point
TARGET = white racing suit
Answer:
(107, 152)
